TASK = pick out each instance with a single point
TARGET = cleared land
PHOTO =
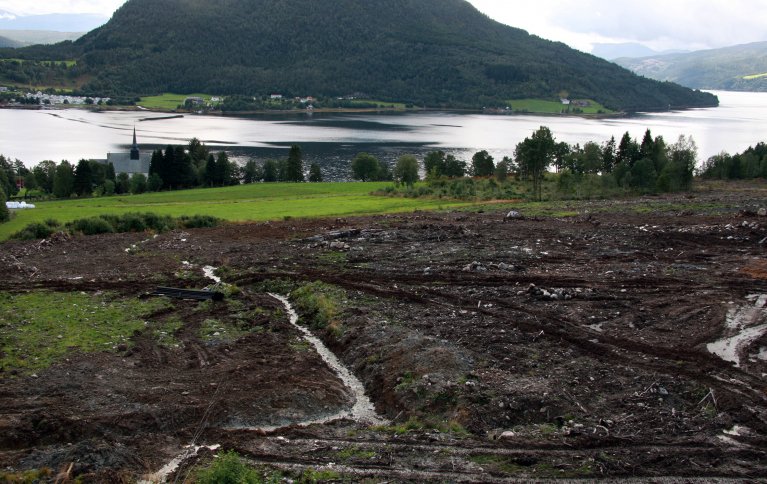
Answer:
(169, 101)
(258, 202)
(555, 107)
(526, 348)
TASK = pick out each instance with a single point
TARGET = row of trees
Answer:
(176, 167)
(750, 164)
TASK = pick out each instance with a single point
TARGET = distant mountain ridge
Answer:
(58, 22)
(425, 52)
(737, 68)
(33, 37)
(628, 49)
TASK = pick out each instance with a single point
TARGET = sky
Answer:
(658, 24)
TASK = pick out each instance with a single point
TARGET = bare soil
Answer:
(499, 349)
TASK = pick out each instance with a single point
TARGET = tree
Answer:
(156, 167)
(315, 173)
(8, 179)
(294, 171)
(4, 213)
(109, 188)
(138, 184)
(271, 171)
(154, 184)
(83, 179)
(44, 172)
(502, 169)
(406, 170)
(453, 167)
(365, 167)
(534, 155)
(224, 170)
(122, 185)
(64, 180)
(628, 150)
(608, 156)
(434, 164)
(30, 182)
(482, 164)
(592, 157)
(251, 173)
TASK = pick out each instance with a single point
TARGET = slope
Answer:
(737, 68)
(427, 52)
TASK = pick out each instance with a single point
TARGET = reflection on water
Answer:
(334, 139)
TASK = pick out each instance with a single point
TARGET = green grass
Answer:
(169, 101)
(755, 76)
(554, 107)
(381, 104)
(259, 202)
(69, 63)
(39, 328)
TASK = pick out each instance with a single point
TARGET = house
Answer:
(275, 97)
(566, 102)
(194, 101)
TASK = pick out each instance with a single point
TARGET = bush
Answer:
(199, 222)
(35, 231)
(90, 226)
(5, 215)
(229, 468)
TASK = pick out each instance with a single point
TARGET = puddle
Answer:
(744, 320)
(209, 272)
(170, 467)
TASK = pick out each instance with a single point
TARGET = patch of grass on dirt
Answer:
(313, 475)
(26, 477)
(230, 467)
(165, 332)
(40, 327)
(416, 424)
(220, 331)
(332, 257)
(319, 305)
(355, 453)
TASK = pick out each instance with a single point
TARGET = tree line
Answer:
(750, 164)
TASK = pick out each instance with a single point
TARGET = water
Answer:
(334, 139)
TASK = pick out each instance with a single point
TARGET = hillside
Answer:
(32, 37)
(6, 42)
(427, 52)
(738, 68)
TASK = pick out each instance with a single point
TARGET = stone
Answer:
(513, 215)
(762, 212)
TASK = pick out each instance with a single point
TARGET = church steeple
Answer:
(134, 153)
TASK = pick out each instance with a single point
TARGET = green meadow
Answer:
(169, 101)
(554, 107)
(257, 202)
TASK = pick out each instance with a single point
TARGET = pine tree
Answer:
(83, 179)
(295, 168)
(4, 214)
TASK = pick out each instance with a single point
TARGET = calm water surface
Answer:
(333, 140)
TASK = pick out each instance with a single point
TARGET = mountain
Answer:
(32, 37)
(628, 49)
(737, 68)
(58, 22)
(6, 42)
(427, 52)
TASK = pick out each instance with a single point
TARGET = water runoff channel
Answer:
(362, 411)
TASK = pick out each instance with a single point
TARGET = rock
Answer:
(475, 267)
(508, 435)
(337, 245)
(513, 215)
(505, 267)
(762, 212)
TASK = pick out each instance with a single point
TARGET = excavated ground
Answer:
(499, 349)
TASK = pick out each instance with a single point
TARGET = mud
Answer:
(527, 348)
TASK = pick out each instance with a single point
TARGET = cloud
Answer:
(42, 7)
(660, 24)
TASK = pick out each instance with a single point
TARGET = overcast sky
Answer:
(658, 24)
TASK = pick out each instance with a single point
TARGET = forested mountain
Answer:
(738, 68)
(426, 52)
(6, 42)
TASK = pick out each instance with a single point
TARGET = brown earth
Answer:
(499, 349)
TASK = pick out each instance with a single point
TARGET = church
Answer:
(131, 162)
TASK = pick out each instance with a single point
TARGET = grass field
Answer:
(169, 101)
(259, 202)
(755, 76)
(554, 107)
(381, 104)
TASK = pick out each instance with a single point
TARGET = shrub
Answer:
(34, 231)
(90, 226)
(318, 304)
(229, 468)
(4, 213)
(199, 222)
